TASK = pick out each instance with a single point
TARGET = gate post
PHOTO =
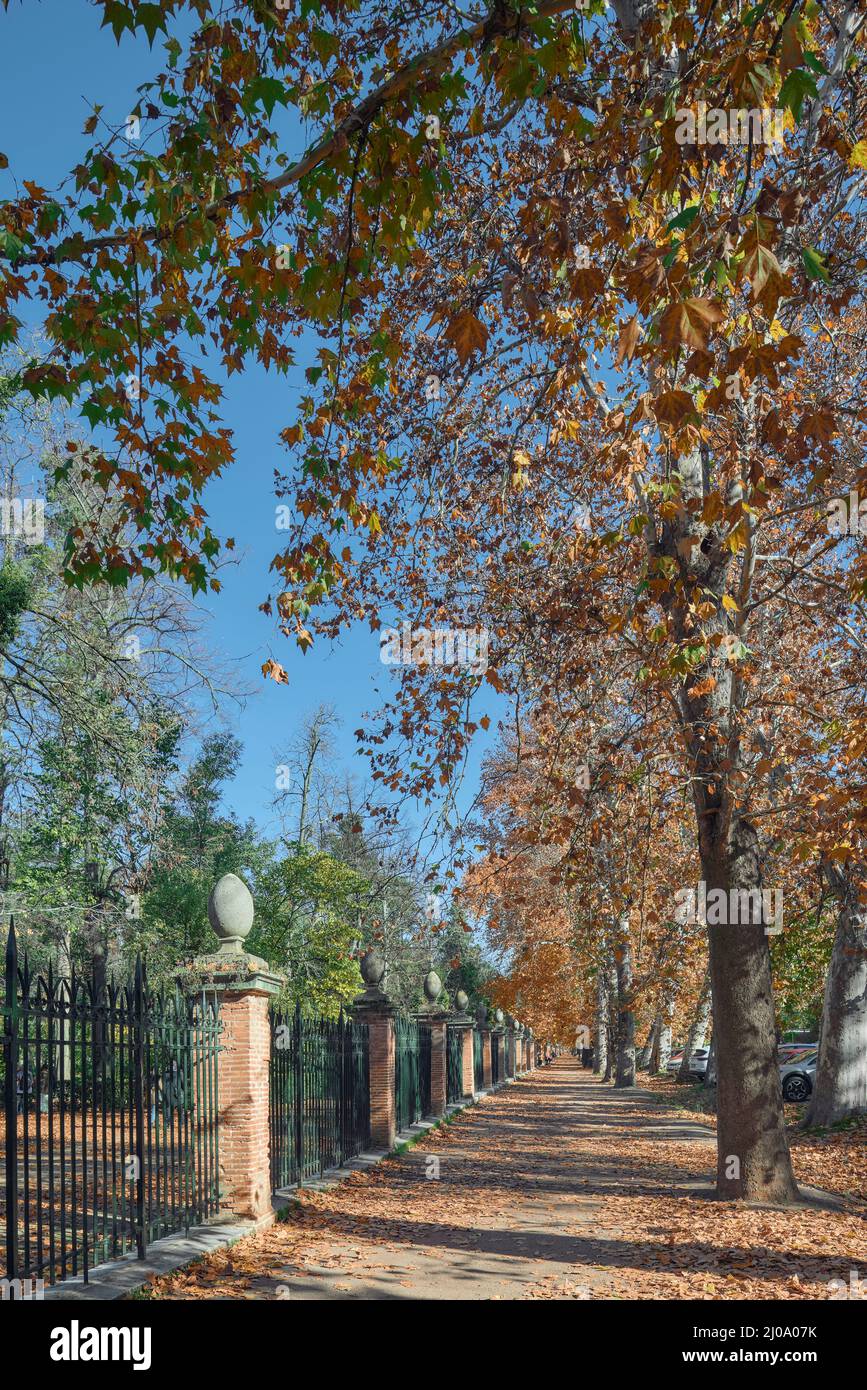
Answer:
(374, 1008)
(485, 1035)
(242, 984)
(462, 1021)
(497, 1059)
(438, 1044)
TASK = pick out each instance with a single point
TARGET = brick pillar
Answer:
(245, 1170)
(486, 1058)
(376, 1010)
(438, 1065)
(242, 985)
(468, 1070)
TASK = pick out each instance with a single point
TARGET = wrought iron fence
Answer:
(109, 1136)
(510, 1052)
(454, 1065)
(495, 1059)
(478, 1061)
(407, 1069)
(319, 1094)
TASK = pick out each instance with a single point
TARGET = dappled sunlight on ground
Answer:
(556, 1187)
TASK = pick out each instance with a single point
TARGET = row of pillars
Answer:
(245, 984)
(379, 1014)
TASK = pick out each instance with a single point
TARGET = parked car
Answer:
(697, 1062)
(797, 1076)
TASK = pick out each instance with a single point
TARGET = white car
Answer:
(697, 1062)
(797, 1077)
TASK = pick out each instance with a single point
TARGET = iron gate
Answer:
(478, 1061)
(455, 1065)
(407, 1082)
(319, 1095)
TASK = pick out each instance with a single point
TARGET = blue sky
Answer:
(55, 61)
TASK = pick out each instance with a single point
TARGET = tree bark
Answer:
(611, 1021)
(698, 1027)
(600, 1054)
(840, 1088)
(662, 1046)
(625, 1073)
(645, 1058)
(752, 1152)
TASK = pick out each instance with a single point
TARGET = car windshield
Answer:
(799, 1058)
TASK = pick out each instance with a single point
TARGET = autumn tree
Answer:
(591, 294)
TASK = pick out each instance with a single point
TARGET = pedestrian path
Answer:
(555, 1187)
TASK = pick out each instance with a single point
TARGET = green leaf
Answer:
(683, 219)
(814, 264)
(119, 16)
(799, 84)
(815, 63)
(754, 14)
(268, 90)
(150, 17)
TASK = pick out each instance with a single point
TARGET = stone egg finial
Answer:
(433, 986)
(499, 1018)
(372, 967)
(230, 913)
(461, 1001)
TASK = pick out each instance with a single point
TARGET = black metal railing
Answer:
(407, 1066)
(319, 1095)
(478, 1061)
(454, 1065)
(510, 1052)
(109, 1135)
(495, 1059)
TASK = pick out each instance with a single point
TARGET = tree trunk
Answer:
(600, 1055)
(662, 1050)
(840, 1088)
(752, 1153)
(611, 1021)
(645, 1058)
(625, 1074)
(698, 1027)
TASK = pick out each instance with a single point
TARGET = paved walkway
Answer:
(506, 1202)
(555, 1187)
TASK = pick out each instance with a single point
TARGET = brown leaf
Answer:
(627, 341)
(467, 334)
